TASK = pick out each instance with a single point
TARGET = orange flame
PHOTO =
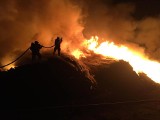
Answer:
(78, 54)
(139, 62)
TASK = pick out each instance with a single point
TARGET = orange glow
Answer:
(139, 62)
(9, 67)
(77, 54)
(7, 60)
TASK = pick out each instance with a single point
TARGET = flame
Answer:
(78, 54)
(139, 62)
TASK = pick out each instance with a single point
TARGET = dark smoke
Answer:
(117, 21)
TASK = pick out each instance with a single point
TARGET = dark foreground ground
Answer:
(62, 88)
(130, 111)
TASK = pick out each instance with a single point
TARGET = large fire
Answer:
(139, 62)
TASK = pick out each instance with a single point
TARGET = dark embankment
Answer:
(118, 81)
(60, 88)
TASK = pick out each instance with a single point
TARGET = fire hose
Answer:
(48, 47)
(16, 58)
(21, 57)
(84, 105)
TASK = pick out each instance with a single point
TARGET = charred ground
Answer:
(33, 91)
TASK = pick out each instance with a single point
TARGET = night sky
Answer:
(143, 8)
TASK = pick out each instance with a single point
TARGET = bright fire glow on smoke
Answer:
(6, 61)
(139, 62)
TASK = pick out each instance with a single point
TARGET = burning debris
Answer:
(139, 62)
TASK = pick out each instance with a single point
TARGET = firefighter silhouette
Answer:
(57, 46)
(35, 48)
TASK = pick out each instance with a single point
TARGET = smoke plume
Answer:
(23, 21)
(117, 22)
